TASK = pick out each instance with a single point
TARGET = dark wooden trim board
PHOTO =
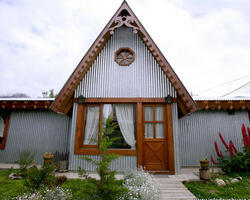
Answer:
(5, 133)
(170, 138)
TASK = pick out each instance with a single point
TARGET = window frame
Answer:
(154, 121)
(84, 149)
(5, 132)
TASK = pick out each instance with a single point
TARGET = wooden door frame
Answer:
(139, 124)
(169, 137)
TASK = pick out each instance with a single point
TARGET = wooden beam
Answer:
(125, 100)
(140, 133)
(79, 127)
(5, 133)
(170, 138)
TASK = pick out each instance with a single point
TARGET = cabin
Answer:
(125, 77)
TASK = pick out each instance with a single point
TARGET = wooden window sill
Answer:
(86, 151)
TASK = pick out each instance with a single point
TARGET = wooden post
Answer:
(139, 134)
(170, 139)
(79, 127)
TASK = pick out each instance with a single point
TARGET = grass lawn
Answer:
(209, 190)
(12, 188)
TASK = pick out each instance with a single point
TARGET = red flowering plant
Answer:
(234, 160)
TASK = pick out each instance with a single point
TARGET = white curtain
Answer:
(125, 118)
(1, 126)
(106, 111)
(92, 125)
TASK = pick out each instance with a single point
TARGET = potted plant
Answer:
(204, 163)
(47, 157)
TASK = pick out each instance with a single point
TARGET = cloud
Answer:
(41, 42)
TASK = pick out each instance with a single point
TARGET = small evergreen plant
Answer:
(107, 187)
(26, 159)
(36, 178)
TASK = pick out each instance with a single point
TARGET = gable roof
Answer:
(123, 16)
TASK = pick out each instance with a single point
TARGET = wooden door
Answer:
(155, 138)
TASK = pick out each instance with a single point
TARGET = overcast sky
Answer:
(207, 42)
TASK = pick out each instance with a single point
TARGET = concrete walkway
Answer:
(171, 186)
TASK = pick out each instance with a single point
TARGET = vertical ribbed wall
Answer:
(40, 131)
(198, 131)
(176, 137)
(143, 78)
(122, 164)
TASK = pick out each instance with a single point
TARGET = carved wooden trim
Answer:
(126, 20)
(223, 105)
(123, 16)
(25, 105)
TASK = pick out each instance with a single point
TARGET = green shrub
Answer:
(26, 159)
(60, 180)
(107, 188)
(35, 178)
(240, 162)
(233, 161)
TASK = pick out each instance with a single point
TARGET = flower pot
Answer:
(204, 164)
(47, 158)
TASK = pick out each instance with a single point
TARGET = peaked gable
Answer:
(107, 79)
(123, 17)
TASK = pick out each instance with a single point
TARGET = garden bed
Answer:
(209, 190)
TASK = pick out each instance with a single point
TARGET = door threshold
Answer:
(159, 172)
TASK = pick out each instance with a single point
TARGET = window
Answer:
(90, 122)
(124, 56)
(154, 121)
(4, 123)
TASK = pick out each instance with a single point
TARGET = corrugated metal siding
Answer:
(176, 137)
(123, 163)
(198, 131)
(143, 78)
(40, 131)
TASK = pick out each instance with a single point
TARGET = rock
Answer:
(235, 180)
(213, 191)
(14, 176)
(220, 182)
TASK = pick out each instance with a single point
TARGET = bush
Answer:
(56, 193)
(36, 178)
(26, 158)
(140, 186)
(233, 161)
(107, 187)
(60, 180)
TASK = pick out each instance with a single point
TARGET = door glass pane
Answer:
(149, 130)
(158, 113)
(148, 113)
(159, 130)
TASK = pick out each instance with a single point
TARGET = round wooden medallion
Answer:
(124, 56)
